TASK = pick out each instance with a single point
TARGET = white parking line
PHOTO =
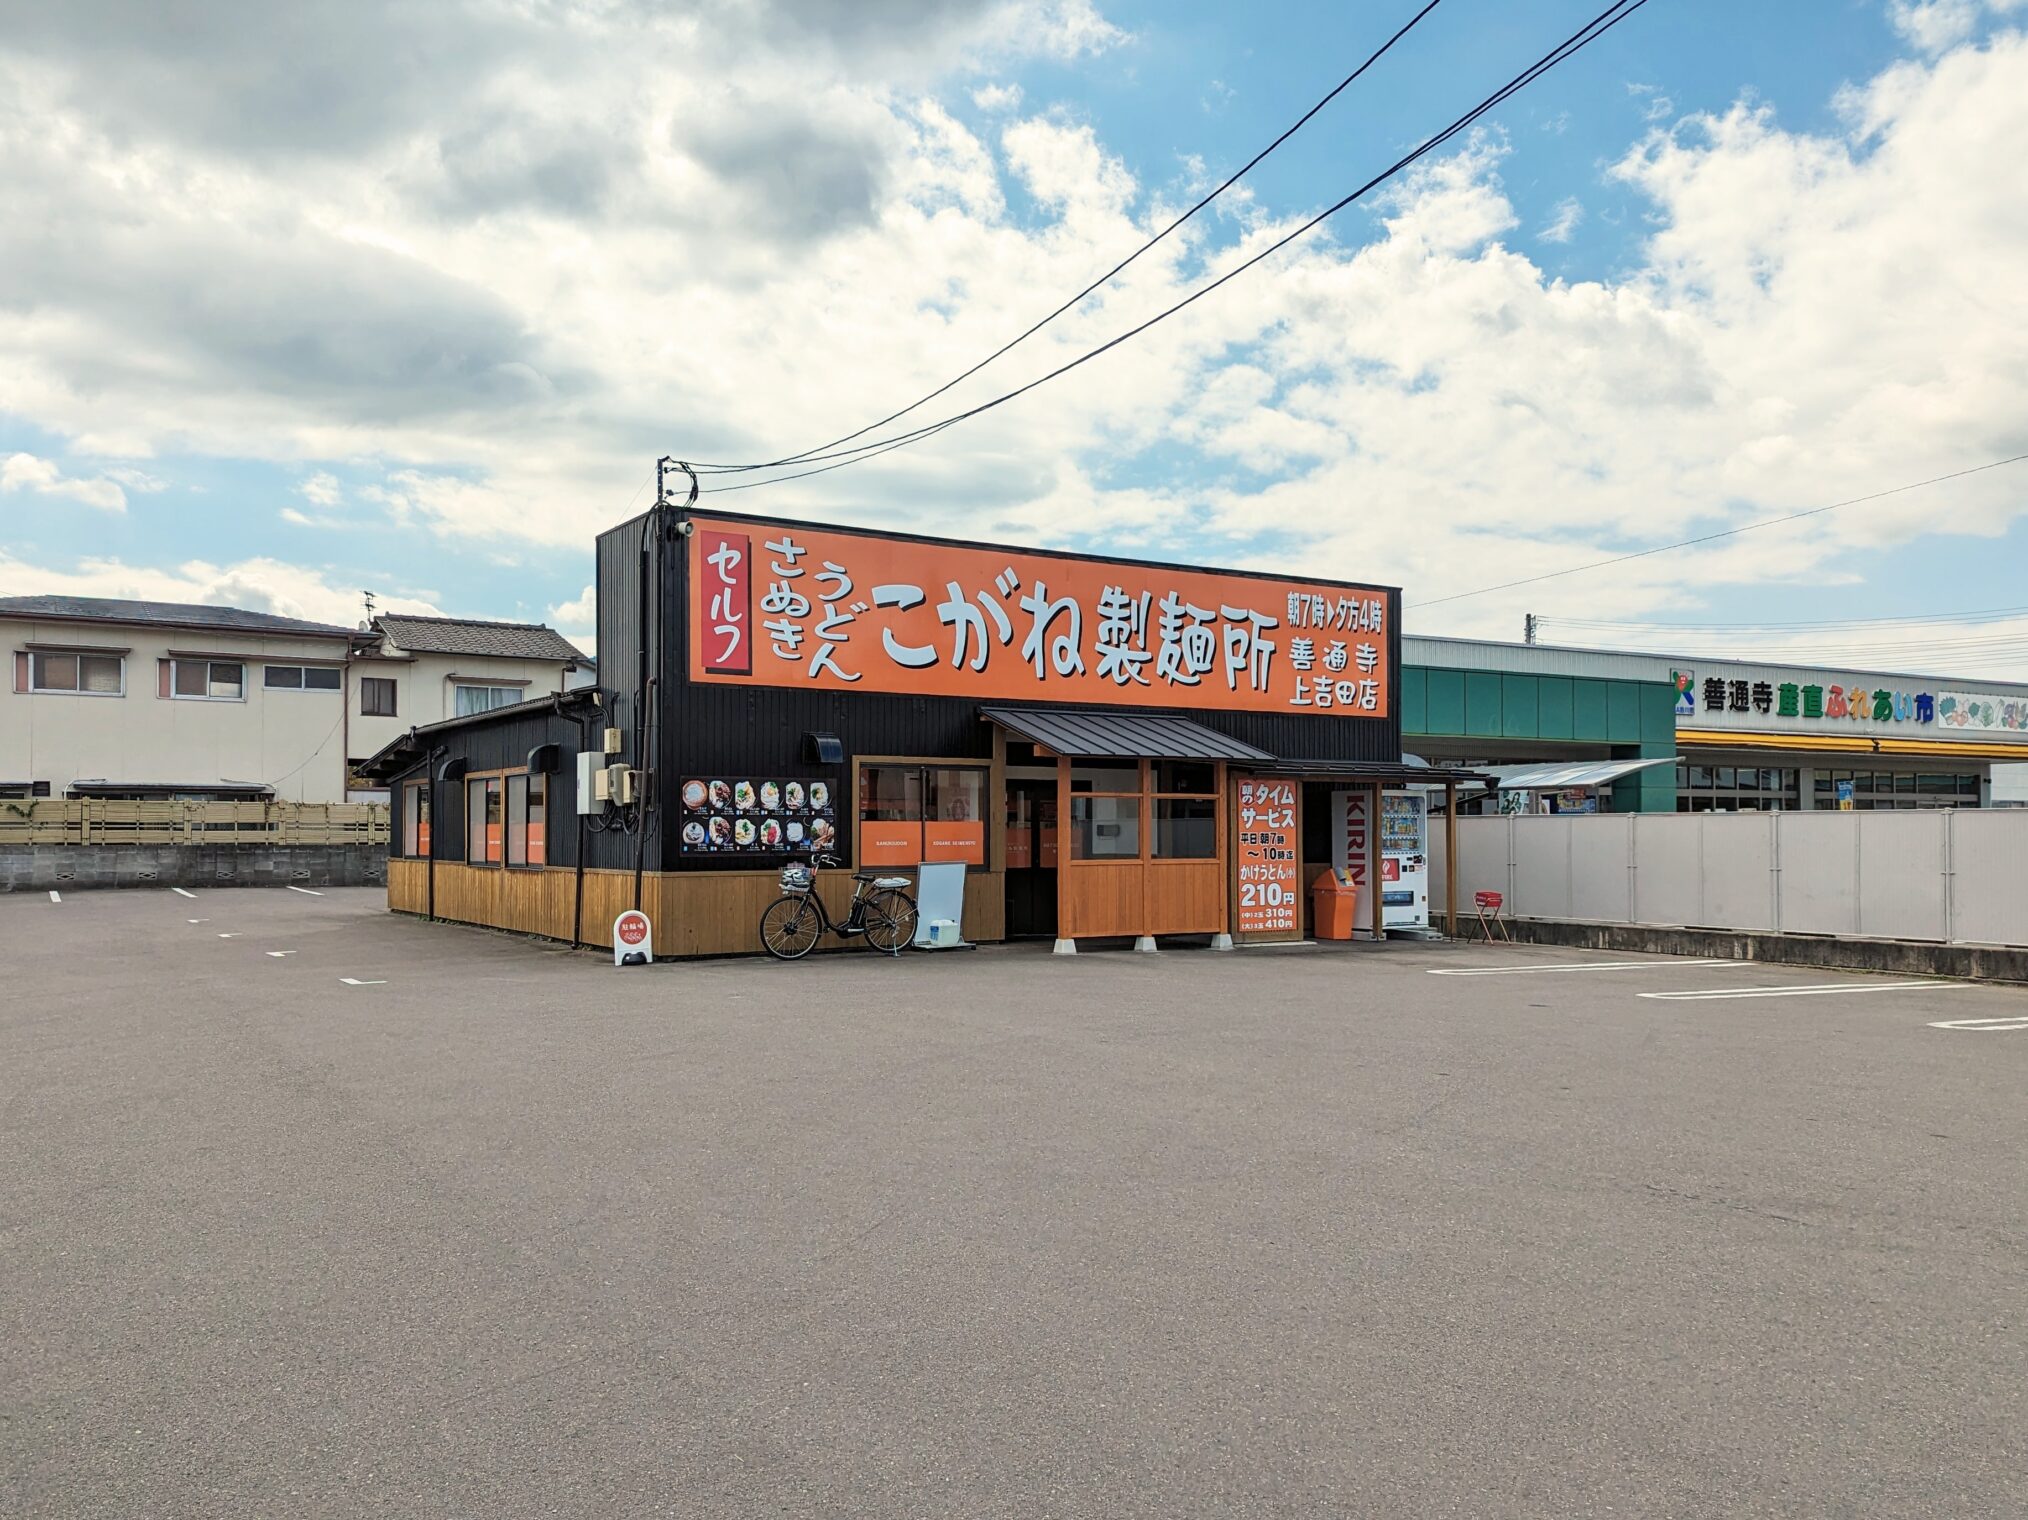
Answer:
(306, 891)
(56, 897)
(234, 935)
(197, 920)
(1671, 964)
(1983, 1026)
(1813, 989)
(353, 981)
(181, 893)
(278, 954)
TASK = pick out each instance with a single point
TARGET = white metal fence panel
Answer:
(1820, 873)
(1669, 866)
(1901, 875)
(1954, 874)
(1989, 876)
(1482, 860)
(1541, 866)
(1601, 883)
(1739, 870)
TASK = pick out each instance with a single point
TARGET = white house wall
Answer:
(423, 686)
(293, 741)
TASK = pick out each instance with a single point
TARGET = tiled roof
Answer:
(512, 641)
(163, 614)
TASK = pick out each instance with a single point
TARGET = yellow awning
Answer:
(1854, 744)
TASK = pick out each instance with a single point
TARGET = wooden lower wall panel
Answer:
(1185, 897)
(693, 912)
(408, 886)
(1101, 899)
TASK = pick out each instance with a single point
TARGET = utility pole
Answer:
(1528, 628)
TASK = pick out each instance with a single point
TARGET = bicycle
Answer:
(794, 922)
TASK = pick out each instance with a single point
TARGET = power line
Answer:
(1231, 180)
(1583, 37)
(1690, 543)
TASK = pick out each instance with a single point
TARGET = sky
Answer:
(301, 301)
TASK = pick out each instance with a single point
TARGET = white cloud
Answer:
(138, 481)
(1563, 223)
(1659, 106)
(321, 489)
(1934, 26)
(997, 97)
(256, 585)
(579, 613)
(519, 317)
(41, 477)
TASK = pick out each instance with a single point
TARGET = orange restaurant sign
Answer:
(786, 605)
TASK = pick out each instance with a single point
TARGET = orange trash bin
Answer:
(1334, 906)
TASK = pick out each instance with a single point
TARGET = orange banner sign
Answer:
(1269, 856)
(786, 605)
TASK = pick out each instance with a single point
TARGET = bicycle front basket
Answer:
(797, 878)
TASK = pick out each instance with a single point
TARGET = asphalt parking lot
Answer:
(492, 1229)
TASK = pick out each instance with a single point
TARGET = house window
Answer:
(527, 820)
(302, 678)
(483, 841)
(376, 696)
(415, 819)
(207, 680)
(914, 813)
(478, 699)
(84, 675)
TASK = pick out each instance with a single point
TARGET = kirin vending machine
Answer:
(1404, 860)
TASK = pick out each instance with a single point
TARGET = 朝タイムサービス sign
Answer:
(1269, 857)
(783, 605)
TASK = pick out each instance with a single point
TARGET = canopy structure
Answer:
(1104, 733)
(1567, 773)
(1411, 772)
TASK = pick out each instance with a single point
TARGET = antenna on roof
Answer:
(369, 604)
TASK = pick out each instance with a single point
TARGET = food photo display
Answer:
(736, 816)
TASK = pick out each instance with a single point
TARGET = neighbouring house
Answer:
(411, 671)
(132, 699)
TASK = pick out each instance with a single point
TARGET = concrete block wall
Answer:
(78, 868)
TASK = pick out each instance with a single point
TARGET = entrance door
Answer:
(1031, 858)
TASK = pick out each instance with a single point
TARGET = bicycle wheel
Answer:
(890, 921)
(790, 928)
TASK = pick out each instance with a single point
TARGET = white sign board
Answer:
(939, 897)
(1352, 849)
(633, 939)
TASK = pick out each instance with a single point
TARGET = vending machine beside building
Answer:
(1404, 860)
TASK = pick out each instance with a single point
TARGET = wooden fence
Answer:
(107, 821)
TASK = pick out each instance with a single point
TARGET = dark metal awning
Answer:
(1106, 733)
